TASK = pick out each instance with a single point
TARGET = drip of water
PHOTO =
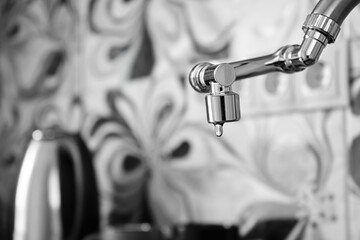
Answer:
(218, 130)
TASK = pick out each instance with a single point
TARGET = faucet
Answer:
(321, 27)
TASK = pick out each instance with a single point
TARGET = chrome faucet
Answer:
(321, 27)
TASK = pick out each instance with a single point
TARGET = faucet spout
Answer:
(337, 10)
(321, 27)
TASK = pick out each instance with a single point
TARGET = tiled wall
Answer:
(116, 72)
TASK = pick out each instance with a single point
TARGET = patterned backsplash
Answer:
(115, 72)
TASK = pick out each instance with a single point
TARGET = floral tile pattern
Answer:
(116, 72)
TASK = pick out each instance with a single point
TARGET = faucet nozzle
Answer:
(222, 105)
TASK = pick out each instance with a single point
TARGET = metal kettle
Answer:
(56, 195)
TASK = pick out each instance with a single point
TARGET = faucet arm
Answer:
(203, 74)
(287, 59)
(319, 31)
(321, 27)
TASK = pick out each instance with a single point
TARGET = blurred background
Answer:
(114, 73)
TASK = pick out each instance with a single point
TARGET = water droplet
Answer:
(218, 130)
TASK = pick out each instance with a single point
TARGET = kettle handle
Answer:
(70, 156)
(79, 212)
